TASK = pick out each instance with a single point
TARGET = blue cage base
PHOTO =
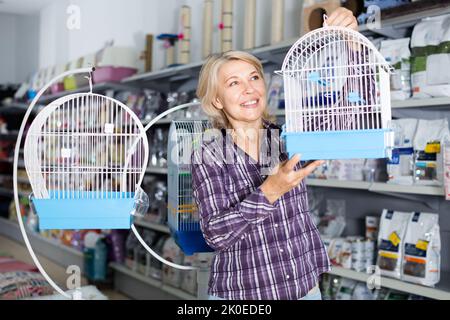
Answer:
(85, 213)
(331, 145)
(191, 242)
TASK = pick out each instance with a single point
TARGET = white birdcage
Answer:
(85, 155)
(184, 138)
(337, 97)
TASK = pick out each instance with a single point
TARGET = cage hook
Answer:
(90, 79)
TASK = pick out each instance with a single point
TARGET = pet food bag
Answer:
(422, 249)
(397, 53)
(400, 167)
(430, 62)
(391, 236)
(428, 163)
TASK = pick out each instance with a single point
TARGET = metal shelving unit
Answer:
(99, 87)
(151, 225)
(49, 248)
(377, 187)
(441, 292)
(156, 170)
(139, 286)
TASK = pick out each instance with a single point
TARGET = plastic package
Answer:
(428, 165)
(141, 203)
(430, 73)
(422, 257)
(397, 53)
(332, 223)
(189, 277)
(391, 239)
(401, 165)
(372, 226)
(131, 247)
(172, 253)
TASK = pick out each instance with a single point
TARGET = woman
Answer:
(267, 246)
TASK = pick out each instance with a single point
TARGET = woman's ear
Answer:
(217, 104)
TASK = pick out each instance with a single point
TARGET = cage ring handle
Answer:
(15, 187)
(133, 228)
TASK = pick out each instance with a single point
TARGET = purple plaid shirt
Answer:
(262, 250)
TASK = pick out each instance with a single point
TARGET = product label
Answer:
(434, 147)
(394, 238)
(416, 217)
(387, 245)
(417, 249)
(422, 245)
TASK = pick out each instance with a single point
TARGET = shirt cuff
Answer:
(256, 207)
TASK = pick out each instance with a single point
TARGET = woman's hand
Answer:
(342, 17)
(286, 178)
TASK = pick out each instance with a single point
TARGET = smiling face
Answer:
(241, 94)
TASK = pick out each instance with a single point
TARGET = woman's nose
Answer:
(249, 88)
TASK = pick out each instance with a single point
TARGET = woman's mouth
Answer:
(250, 104)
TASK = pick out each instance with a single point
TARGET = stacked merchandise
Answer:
(409, 246)
(338, 288)
(139, 260)
(418, 155)
(156, 189)
(430, 75)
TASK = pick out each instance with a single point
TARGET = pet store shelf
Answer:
(377, 186)
(421, 103)
(441, 292)
(156, 170)
(171, 73)
(10, 135)
(13, 108)
(10, 193)
(363, 185)
(20, 163)
(395, 104)
(152, 225)
(413, 189)
(408, 19)
(272, 53)
(99, 87)
(49, 248)
(139, 286)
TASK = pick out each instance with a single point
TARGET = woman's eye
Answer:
(255, 78)
(233, 83)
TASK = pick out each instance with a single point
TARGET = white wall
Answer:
(7, 49)
(127, 22)
(19, 36)
(27, 46)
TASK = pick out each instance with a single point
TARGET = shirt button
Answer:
(242, 237)
(276, 225)
(287, 276)
(281, 250)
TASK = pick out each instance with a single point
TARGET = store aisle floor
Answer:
(19, 252)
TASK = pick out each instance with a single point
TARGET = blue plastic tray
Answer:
(329, 145)
(57, 213)
(191, 242)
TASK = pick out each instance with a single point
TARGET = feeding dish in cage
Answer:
(337, 97)
(85, 156)
(183, 219)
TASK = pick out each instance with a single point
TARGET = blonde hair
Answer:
(208, 84)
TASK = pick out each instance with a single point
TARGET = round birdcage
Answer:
(184, 138)
(337, 96)
(85, 155)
